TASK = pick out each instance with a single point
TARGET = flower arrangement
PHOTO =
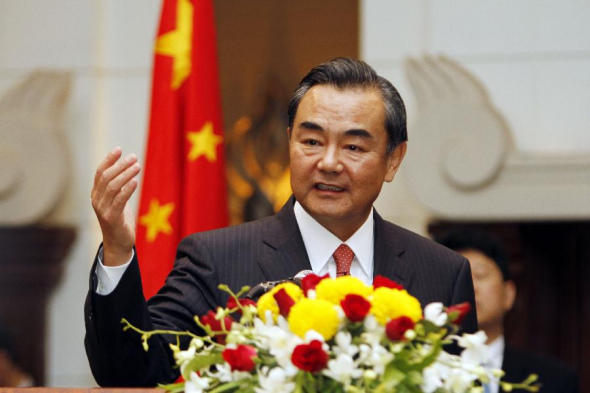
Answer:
(332, 335)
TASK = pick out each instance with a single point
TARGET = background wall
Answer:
(533, 56)
(107, 46)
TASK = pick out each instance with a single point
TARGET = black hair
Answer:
(344, 72)
(461, 239)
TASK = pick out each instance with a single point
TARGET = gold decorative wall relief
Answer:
(258, 159)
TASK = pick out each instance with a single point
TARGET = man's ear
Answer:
(289, 133)
(395, 160)
(509, 295)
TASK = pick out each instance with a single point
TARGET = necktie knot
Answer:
(343, 257)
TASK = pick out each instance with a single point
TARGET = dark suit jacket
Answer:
(554, 376)
(264, 250)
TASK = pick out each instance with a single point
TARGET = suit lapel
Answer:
(287, 255)
(388, 256)
(512, 366)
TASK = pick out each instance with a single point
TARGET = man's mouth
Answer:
(328, 187)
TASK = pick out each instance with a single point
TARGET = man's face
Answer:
(493, 296)
(338, 156)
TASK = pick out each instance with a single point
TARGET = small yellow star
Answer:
(157, 219)
(178, 43)
(204, 142)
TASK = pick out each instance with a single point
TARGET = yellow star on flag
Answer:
(157, 219)
(204, 143)
(178, 43)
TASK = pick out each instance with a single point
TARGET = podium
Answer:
(81, 390)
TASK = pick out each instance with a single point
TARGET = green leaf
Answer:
(200, 362)
(173, 387)
(229, 386)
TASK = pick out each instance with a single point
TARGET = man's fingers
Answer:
(116, 187)
(103, 185)
(108, 161)
(120, 200)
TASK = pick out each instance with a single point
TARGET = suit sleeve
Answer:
(116, 357)
(463, 292)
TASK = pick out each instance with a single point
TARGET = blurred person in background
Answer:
(495, 293)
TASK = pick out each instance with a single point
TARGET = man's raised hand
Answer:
(114, 183)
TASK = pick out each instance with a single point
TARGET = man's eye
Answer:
(353, 148)
(312, 142)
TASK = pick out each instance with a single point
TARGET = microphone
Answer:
(260, 289)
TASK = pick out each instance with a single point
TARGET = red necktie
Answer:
(343, 257)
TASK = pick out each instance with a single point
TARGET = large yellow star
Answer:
(178, 43)
(157, 219)
(204, 143)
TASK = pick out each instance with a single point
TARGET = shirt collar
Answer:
(321, 243)
(496, 352)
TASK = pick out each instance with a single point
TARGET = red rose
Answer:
(396, 328)
(215, 325)
(381, 281)
(284, 301)
(233, 304)
(355, 307)
(310, 357)
(240, 358)
(311, 281)
(458, 312)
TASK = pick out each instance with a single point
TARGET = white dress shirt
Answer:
(495, 359)
(107, 277)
(319, 243)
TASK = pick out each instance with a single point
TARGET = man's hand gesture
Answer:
(114, 183)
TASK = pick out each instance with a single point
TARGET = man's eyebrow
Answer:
(360, 132)
(310, 125)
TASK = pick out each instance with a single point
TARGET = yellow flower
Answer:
(268, 302)
(319, 315)
(388, 304)
(335, 290)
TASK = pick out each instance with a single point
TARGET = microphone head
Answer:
(301, 275)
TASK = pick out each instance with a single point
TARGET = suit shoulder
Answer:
(547, 367)
(420, 247)
(552, 372)
(235, 233)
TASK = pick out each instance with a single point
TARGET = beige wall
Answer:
(532, 56)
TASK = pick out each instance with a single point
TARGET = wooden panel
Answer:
(31, 264)
(265, 39)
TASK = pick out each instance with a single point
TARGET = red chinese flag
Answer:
(184, 186)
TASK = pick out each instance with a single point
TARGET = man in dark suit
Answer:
(347, 135)
(495, 293)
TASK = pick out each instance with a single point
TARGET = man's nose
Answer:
(330, 161)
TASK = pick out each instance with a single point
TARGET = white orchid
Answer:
(343, 369)
(377, 357)
(434, 312)
(274, 381)
(433, 377)
(476, 351)
(459, 380)
(344, 344)
(196, 384)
